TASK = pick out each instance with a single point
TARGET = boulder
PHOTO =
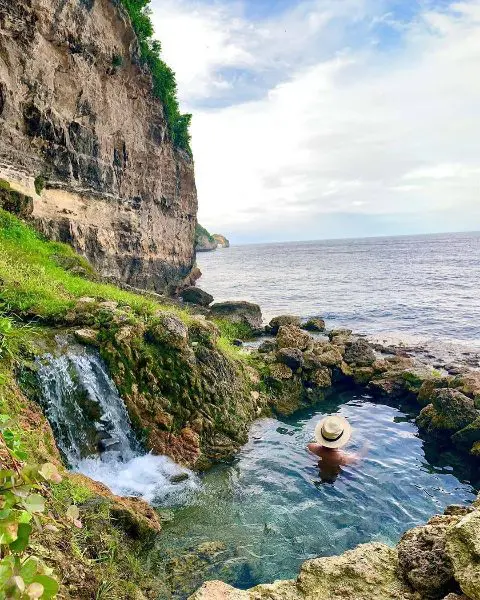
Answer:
(468, 436)
(291, 336)
(423, 560)
(429, 387)
(195, 295)
(463, 549)
(280, 371)
(321, 377)
(245, 313)
(292, 357)
(267, 346)
(454, 409)
(328, 354)
(314, 324)
(359, 353)
(168, 330)
(278, 322)
(469, 384)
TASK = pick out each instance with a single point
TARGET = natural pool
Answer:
(270, 510)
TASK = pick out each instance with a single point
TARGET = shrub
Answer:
(39, 184)
(164, 84)
(117, 60)
(23, 575)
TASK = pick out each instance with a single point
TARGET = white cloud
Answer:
(362, 131)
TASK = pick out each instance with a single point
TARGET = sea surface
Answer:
(270, 509)
(420, 287)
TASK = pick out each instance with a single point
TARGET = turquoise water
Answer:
(271, 510)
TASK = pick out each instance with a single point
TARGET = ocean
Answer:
(410, 287)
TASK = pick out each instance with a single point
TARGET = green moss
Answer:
(4, 185)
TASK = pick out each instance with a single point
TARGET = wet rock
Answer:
(237, 343)
(86, 336)
(362, 375)
(195, 295)
(242, 312)
(469, 384)
(321, 377)
(179, 477)
(429, 387)
(468, 436)
(291, 336)
(281, 320)
(423, 560)
(292, 357)
(359, 353)
(315, 324)
(201, 331)
(454, 409)
(267, 346)
(463, 549)
(366, 573)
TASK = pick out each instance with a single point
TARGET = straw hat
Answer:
(333, 431)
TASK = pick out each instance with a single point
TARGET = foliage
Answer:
(164, 84)
(23, 576)
(201, 233)
(40, 183)
(36, 283)
(117, 60)
(233, 331)
(4, 185)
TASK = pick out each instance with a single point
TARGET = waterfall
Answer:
(94, 433)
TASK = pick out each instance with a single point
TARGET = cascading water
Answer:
(94, 433)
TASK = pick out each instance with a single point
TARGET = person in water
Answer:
(332, 433)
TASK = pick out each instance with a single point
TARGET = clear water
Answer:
(419, 285)
(272, 511)
(93, 430)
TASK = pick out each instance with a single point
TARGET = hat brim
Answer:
(346, 435)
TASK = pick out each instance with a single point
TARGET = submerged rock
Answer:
(195, 295)
(366, 573)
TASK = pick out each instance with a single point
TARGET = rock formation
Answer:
(437, 560)
(82, 136)
(204, 241)
(221, 240)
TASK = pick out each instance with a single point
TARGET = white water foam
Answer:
(93, 430)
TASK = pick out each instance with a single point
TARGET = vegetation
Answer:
(164, 84)
(201, 233)
(40, 183)
(23, 575)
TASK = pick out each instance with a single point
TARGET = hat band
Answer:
(334, 439)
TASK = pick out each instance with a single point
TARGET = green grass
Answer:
(36, 277)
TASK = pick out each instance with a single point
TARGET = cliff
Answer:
(82, 135)
(221, 240)
(204, 241)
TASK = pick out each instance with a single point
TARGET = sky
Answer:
(317, 119)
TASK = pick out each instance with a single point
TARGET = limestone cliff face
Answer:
(76, 108)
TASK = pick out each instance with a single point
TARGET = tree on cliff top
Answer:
(164, 83)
